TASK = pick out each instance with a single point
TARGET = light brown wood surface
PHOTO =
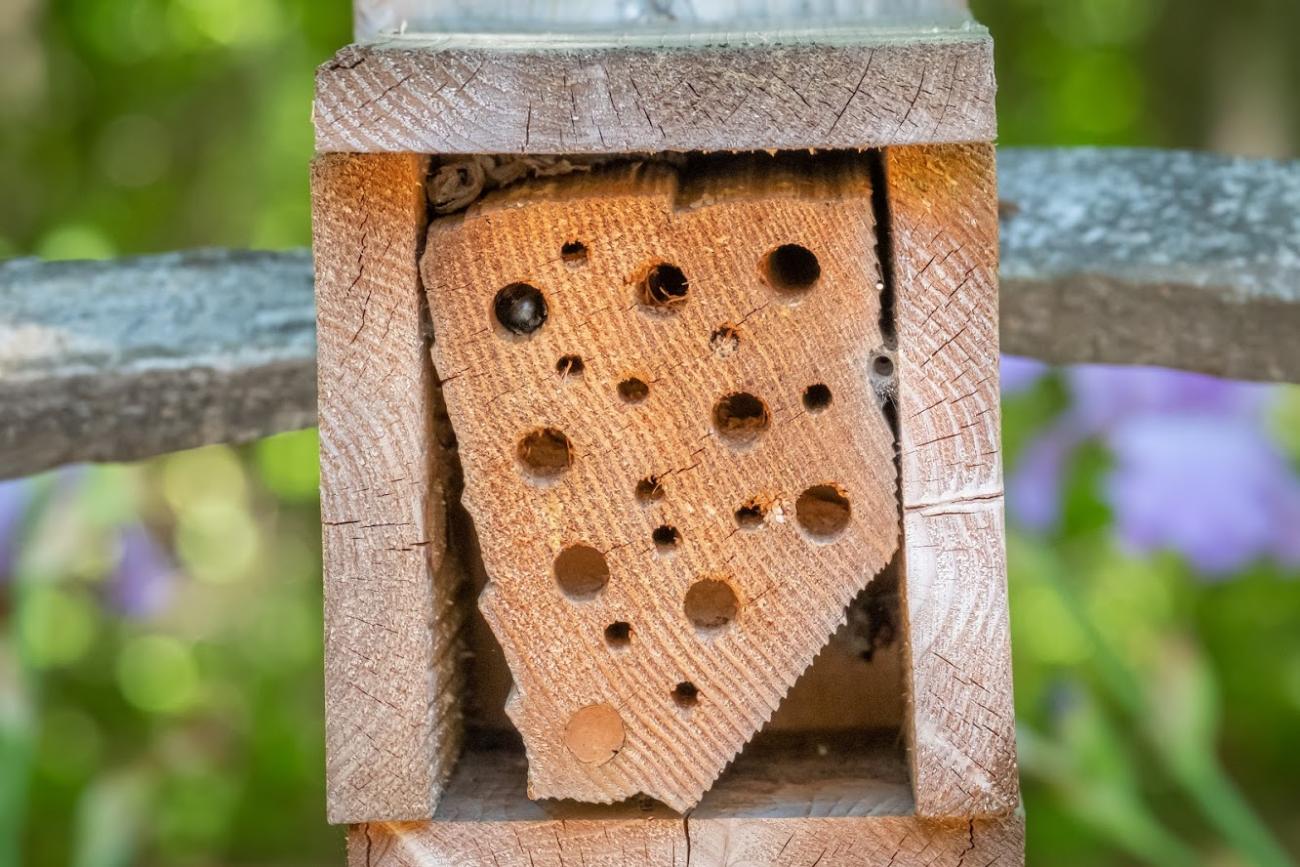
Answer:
(391, 667)
(788, 803)
(605, 719)
(944, 225)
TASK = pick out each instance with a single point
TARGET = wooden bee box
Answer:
(661, 475)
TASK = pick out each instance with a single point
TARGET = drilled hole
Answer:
(595, 734)
(663, 288)
(570, 365)
(752, 515)
(823, 511)
(883, 366)
(545, 453)
(574, 252)
(666, 538)
(633, 390)
(739, 418)
(711, 603)
(686, 694)
(791, 269)
(725, 340)
(816, 398)
(520, 308)
(649, 490)
(618, 634)
(581, 571)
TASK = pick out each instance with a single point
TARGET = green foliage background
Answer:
(1158, 712)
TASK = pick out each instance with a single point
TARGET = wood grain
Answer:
(943, 215)
(391, 669)
(851, 88)
(716, 223)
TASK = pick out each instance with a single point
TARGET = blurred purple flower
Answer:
(14, 496)
(1019, 374)
(143, 582)
(1194, 468)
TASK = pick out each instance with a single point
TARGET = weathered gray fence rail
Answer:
(1121, 256)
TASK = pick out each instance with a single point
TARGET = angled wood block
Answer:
(675, 457)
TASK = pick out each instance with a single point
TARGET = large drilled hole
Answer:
(570, 365)
(618, 634)
(666, 538)
(711, 603)
(581, 571)
(663, 288)
(649, 490)
(633, 390)
(791, 270)
(816, 398)
(574, 252)
(739, 418)
(751, 515)
(595, 734)
(545, 453)
(686, 694)
(823, 511)
(520, 308)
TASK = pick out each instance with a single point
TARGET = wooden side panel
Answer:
(943, 209)
(391, 716)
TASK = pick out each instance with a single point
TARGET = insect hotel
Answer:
(661, 473)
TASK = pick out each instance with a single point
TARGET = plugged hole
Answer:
(816, 397)
(594, 734)
(740, 417)
(791, 269)
(686, 694)
(570, 365)
(574, 252)
(711, 603)
(823, 511)
(666, 538)
(633, 390)
(581, 571)
(663, 288)
(882, 366)
(520, 308)
(649, 490)
(752, 515)
(618, 634)
(545, 453)
(725, 340)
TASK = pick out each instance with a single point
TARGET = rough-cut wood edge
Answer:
(850, 88)
(943, 238)
(392, 668)
(218, 346)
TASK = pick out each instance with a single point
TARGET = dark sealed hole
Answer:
(686, 694)
(666, 538)
(570, 365)
(882, 366)
(581, 571)
(618, 634)
(633, 390)
(752, 515)
(574, 252)
(740, 417)
(545, 453)
(649, 490)
(816, 397)
(823, 511)
(711, 603)
(663, 288)
(725, 340)
(791, 269)
(520, 308)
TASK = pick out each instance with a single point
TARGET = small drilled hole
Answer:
(649, 490)
(520, 308)
(545, 453)
(725, 340)
(574, 252)
(618, 634)
(570, 365)
(666, 538)
(686, 694)
(633, 390)
(581, 571)
(816, 398)
(711, 603)
(823, 511)
(739, 418)
(791, 269)
(752, 515)
(883, 365)
(663, 288)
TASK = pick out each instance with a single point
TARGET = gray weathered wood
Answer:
(851, 87)
(121, 360)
